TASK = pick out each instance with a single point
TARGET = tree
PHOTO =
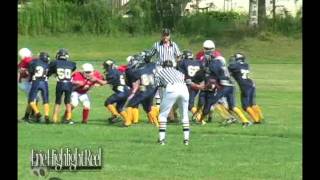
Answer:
(274, 10)
(253, 13)
(261, 13)
(168, 12)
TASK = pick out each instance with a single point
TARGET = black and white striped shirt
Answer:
(168, 75)
(164, 52)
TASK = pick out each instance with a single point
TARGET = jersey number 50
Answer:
(64, 73)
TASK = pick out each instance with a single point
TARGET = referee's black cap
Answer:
(166, 32)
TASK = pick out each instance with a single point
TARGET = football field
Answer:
(272, 150)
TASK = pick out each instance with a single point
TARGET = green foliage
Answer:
(265, 48)
(144, 17)
(56, 16)
(285, 24)
(140, 18)
(212, 24)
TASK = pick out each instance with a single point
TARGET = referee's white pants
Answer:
(171, 94)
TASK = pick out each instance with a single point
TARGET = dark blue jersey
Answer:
(63, 69)
(239, 70)
(38, 70)
(146, 75)
(130, 76)
(217, 70)
(189, 67)
(116, 79)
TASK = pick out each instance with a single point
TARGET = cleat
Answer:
(161, 142)
(247, 124)
(67, 121)
(38, 118)
(46, 118)
(113, 120)
(26, 120)
(203, 123)
(209, 119)
(231, 121)
(186, 142)
(257, 123)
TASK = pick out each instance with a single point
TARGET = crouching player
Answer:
(82, 82)
(220, 85)
(38, 70)
(143, 92)
(239, 69)
(121, 92)
(134, 63)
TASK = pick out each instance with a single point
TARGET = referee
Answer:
(175, 89)
(165, 49)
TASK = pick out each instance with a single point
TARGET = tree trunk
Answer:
(274, 9)
(253, 16)
(261, 13)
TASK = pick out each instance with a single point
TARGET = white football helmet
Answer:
(87, 67)
(208, 44)
(24, 52)
(129, 58)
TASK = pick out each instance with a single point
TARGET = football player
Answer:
(24, 82)
(189, 67)
(239, 69)
(144, 91)
(38, 70)
(82, 82)
(63, 68)
(134, 63)
(116, 79)
(198, 83)
(208, 46)
(219, 84)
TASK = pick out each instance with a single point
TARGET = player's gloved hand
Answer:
(188, 81)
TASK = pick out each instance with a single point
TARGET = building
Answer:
(242, 6)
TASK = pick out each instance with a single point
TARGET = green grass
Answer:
(272, 150)
(276, 49)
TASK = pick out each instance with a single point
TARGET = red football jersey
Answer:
(200, 54)
(122, 68)
(24, 65)
(78, 76)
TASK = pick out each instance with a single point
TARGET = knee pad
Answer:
(74, 102)
(86, 104)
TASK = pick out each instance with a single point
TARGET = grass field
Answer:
(272, 150)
